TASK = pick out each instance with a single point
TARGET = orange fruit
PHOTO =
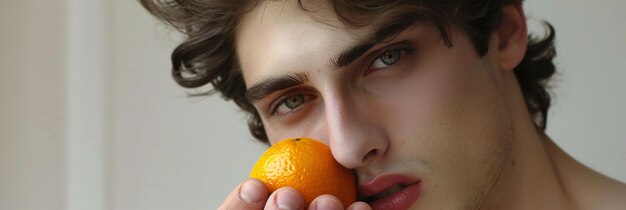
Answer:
(308, 166)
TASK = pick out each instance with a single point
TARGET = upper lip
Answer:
(383, 182)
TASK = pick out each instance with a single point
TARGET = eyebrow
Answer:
(265, 87)
(381, 35)
(346, 57)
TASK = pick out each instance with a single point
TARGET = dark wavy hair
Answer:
(207, 55)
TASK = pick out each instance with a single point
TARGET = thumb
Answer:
(250, 194)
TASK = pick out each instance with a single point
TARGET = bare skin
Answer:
(454, 120)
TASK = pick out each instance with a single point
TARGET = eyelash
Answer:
(281, 102)
(404, 51)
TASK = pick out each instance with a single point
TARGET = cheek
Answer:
(455, 118)
(432, 99)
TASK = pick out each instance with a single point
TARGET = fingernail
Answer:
(288, 201)
(359, 206)
(326, 203)
(250, 192)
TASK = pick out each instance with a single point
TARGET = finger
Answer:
(285, 198)
(359, 206)
(326, 202)
(250, 194)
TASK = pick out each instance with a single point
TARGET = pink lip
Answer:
(402, 199)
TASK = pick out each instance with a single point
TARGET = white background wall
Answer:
(91, 119)
(32, 105)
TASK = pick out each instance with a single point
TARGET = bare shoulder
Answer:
(604, 193)
(586, 188)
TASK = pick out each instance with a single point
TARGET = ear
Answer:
(511, 36)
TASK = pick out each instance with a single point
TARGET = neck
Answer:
(529, 180)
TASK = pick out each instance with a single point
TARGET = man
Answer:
(446, 97)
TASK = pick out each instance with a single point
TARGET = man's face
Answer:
(409, 108)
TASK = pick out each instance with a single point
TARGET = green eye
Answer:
(390, 57)
(294, 101)
(387, 59)
(289, 104)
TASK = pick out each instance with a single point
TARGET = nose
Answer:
(356, 136)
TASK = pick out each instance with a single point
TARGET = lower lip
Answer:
(402, 199)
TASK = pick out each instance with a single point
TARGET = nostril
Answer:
(370, 154)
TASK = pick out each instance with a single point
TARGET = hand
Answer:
(253, 195)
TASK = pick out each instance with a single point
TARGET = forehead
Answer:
(280, 37)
